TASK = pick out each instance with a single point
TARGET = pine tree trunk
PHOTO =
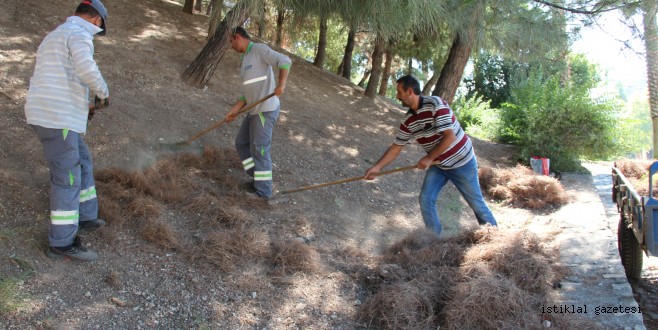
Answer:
(188, 6)
(424, 68)
(435, 77)
(216, 6)
(383, 86)
(651, 45)
(347, 57)
(410, 65)
(376, 72)
(339, 71)
(198, 4)
(202, 68)
(362, 82)
(453, 69)
(280, 18)
(211, 5)
(262, 21)
(321, 52)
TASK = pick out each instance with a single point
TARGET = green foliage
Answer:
(635, 126)
(304, 33)
(477, 117)
(560, 121)
(583, 73)
(494, 76)
(491, 78)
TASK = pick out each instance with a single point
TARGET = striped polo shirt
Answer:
(426, 125)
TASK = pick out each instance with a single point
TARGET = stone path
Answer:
(588, 247)
(646, 290)
(587, 238)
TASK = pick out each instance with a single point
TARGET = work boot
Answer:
(75, 252)
(254, 196)
(274, 200)
(91, 224)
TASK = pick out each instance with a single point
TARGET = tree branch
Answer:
(602, 7)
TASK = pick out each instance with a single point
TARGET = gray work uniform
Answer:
(72, 189)
(255, 134)
(57, 106)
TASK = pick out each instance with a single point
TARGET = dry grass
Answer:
(418, 239)
(398, 306)
(294, 257)
(491, 302)
(230, 249)
(172, 184)
(413, 281)
(250, 278)
(479, 279)
(636, 169)
(519, 256)
(411, 304)
(423, 249)
(145, 207)
(520, 187)
(637, 172)
(203, 204)
(112, 279)
(161, 234)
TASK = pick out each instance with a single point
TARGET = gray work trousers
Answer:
(253, 146)
(72, 190)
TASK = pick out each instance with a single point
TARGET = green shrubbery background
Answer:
(548, 112)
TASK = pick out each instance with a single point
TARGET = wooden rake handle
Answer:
(223, 121)
(356, 178)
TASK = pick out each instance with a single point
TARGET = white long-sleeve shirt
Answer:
(65, 71)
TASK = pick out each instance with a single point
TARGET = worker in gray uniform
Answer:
(255, 134)
(57, 108)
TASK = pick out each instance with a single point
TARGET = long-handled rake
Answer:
(183, 144)
(280, 194)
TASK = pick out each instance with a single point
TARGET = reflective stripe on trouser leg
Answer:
(242, 146)
(260, 134)
(88, 199)
(248, 163)
(263, 176)
(61, 150)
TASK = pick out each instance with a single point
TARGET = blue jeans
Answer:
(465, 178)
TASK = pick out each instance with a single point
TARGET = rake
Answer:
(356, 178)
(183, 144)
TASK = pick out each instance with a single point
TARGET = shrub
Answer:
(477, 117)
(560, 121)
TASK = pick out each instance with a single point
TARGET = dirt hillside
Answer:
(327, 131)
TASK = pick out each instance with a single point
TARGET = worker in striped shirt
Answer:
(255, 134)
(57, 108)
(450, 155)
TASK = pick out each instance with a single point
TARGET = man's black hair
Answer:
(87, 10)
(410, 81)
(241, 31)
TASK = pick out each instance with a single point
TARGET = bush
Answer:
(477, 117)
(559, 121)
